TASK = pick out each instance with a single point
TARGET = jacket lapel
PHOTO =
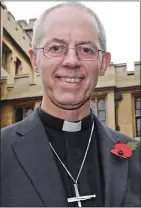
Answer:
(35, 156)
(115, 169)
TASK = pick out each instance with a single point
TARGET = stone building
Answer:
(116, 100)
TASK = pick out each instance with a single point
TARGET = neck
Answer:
(68, 115)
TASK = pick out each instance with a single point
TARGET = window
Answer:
(17, 66)
(99, 108)
(6, 56)
(18, 114)
(22, 112)
(138, 116)
(102, 111)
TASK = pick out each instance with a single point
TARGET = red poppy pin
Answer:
(124, 150)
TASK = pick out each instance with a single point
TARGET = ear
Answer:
(105, 63)
(32, 57)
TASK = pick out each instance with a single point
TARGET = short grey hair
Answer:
(38, 27)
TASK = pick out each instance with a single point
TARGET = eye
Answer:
(56, 48)
(86, 50)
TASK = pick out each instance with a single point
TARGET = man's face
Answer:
(68, 82)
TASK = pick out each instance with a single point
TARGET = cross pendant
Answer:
(79, 198)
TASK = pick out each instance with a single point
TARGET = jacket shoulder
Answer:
(8, 133)
(13, 132)
(119, 136)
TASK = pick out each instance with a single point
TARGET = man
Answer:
(62, 155)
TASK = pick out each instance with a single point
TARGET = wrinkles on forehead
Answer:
(62, 24)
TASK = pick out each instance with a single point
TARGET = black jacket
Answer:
(30, 178)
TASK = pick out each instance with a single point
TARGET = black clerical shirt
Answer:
(71, 147)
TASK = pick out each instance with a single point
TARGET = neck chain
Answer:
(78, 198)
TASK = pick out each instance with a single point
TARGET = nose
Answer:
(71, 59)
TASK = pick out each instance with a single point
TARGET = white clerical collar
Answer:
(72, 126)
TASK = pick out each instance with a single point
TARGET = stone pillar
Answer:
(11, 71)
(125, 114)
(1, 38)
(110, 110)
(6, 115)
(37, 104)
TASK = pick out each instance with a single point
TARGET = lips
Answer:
(71, 79)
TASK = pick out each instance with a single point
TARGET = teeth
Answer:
(72, 80)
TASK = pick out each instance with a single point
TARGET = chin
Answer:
(66, 99)
(69, 106)
(68, 103)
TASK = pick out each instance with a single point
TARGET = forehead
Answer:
(71, 24)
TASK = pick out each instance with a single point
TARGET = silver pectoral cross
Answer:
(79, 198)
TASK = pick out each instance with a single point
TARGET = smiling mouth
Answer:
(71, 80)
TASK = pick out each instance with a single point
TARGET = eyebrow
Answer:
(63, 41)
(85, 42)
(57, 40)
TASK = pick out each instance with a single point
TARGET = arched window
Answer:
(138, 116)
(98, 106)
(22, 112)
(102, 111)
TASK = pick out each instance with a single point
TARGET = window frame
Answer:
(24, 107)
(136, 117)
(6, 55)
(96, 111)
(18, 66)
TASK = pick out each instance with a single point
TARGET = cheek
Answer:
(93, 73)
(48, 68)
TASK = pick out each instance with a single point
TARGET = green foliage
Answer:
(132, 145)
